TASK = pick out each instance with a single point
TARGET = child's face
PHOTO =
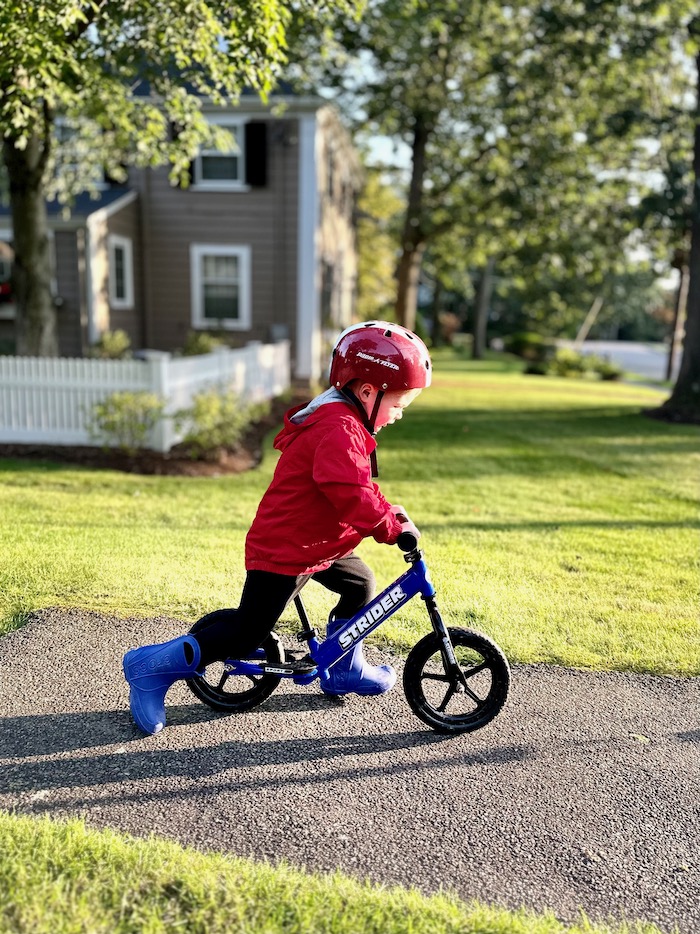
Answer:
(391, 407)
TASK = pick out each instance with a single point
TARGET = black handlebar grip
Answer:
(407, 541)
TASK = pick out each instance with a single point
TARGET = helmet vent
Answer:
(387, 333)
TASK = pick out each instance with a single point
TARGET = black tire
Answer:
(430, 694)
(237, 693)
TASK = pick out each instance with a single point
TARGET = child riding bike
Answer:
(321, 503)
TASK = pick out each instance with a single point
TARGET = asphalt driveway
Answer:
(584, 793)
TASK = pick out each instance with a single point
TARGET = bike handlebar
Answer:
(407, 541)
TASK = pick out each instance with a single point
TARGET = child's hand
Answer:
(406, 523)
(400, 513)
(408, 526)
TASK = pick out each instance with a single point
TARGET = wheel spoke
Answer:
(451, 691)
(426, 677)
(470, 672)
(475, 697)
(224, 679)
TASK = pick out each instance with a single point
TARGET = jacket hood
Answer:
(310, 413)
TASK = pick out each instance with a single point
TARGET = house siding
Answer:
(264, 219)
(127, 223)
(70, 290)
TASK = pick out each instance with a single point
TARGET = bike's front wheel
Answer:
(217, 687)
(441, 699)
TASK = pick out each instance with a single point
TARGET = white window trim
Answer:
(220, 184)
(114, 242)
(197, 252)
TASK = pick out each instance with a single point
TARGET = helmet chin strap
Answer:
(368, 422)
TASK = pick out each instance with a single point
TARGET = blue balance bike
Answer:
(455, 680)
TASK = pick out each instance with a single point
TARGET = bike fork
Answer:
(449, 659)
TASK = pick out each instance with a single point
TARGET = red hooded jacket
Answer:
(322, 501)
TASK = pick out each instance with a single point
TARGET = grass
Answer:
(555, 517)
(66, 879)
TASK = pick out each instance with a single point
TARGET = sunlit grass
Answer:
(61, 878)
(555, 517)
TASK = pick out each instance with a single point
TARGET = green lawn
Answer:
(65, 879)
(555, 517)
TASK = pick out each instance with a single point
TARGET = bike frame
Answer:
(327, 652)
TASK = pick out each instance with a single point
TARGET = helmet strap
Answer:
(367, 422)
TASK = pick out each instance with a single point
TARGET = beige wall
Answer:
(127, 223)
(70, 289)
(264, 219)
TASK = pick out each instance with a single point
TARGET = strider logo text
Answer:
(370, 617)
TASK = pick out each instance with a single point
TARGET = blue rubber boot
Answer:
(150, 671)
(353, 674)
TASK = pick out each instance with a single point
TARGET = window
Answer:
(220, 286)
(121, 272)
(222, 170)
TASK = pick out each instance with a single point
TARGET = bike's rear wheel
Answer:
(447, 706)
(219, 689)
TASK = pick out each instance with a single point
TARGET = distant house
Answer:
(260, 246)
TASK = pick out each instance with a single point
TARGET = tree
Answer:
(379, 208)
(684, 402)
(81, 60)
(512, 114)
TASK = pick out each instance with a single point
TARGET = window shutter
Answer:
(256, 153)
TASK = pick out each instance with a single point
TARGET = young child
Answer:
(320, 505)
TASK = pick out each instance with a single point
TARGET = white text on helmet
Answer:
(366, 356)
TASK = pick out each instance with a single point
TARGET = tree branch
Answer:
(47, 122)
(91, 14)
(452, 180)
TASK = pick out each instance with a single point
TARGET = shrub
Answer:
(462, 341)
(112, 345)
(449, 326)
(200, 342)
(537, 369)
(216, 421)
(125, 419)
(529, 346)
(569, 363)
(606, 369)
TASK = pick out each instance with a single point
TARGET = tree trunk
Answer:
(481, 308)
(413, 237)
(678, 319)
(436, 336)
(684, 402)
(35, 324)
(589, 321)
(407, 294)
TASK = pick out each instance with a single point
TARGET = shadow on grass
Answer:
(530, 526)
(537, 442)
(30, 465)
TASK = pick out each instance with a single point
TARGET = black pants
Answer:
(235, 633)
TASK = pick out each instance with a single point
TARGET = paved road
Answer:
(584, 792)
(650, 360)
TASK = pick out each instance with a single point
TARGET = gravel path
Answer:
(583, 793)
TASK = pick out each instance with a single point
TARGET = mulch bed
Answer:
(176, 462)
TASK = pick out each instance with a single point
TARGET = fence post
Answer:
(158, 362)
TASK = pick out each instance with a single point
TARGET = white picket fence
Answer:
(48, 400)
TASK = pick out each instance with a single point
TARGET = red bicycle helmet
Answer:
(388, 356)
